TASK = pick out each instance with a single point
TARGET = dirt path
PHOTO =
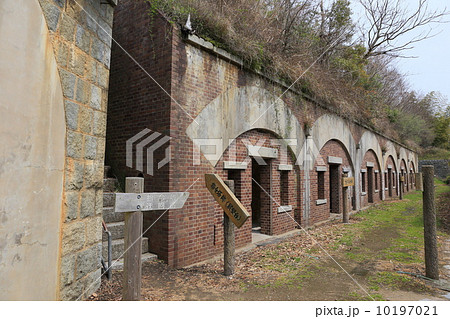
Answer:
(375, 249)
(281, 272)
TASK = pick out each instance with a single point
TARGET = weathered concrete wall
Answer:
(32, 132)
(441, 167)
(54, 94)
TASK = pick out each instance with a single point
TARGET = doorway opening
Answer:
(335, 190)
(370, 184)
(390, 181)
(261, 199)
(256, 196)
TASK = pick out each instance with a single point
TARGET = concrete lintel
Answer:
(285, 167)
(285, 208)
(321, 201)
(370, 164)
(195, 40)
(386, 189)
(363, 193)
(334, 160)
(376, 171)
(264, 152)
(234, 165)
(321, 169)
(363, 170)
(389, 166)
(376, 191)
(346, 170)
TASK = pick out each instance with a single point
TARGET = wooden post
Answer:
(345, 203)
(429, 223)
(419, 182)
(132, 263)
(228, 239)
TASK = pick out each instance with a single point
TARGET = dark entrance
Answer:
(256, 195)
(390, 181)
(335, 198)
(370, 184)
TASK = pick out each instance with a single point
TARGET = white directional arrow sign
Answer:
(140, 202)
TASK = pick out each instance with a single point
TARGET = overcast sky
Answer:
(430, 71)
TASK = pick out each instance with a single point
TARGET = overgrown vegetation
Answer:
(346, 69)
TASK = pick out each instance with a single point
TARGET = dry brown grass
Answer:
(271, 41)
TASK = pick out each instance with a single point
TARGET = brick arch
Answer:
(390, 152)
(257, 108)
(378, 162)
(331, 127)
(371, 178)
(403, 156)
(326, 182)
(412, 166)
(393, 187)
(369, 141)
(412, 178)
(271, 176)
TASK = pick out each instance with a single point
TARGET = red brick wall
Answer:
(404, 173)
(391, 181)
(195, 232)
(412, 177)
(322, 212)
(370, 156)
(136, 102)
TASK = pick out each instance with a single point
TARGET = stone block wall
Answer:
(441, 167)
(80, 32)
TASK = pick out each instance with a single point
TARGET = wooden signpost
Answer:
(226, 199)
(133, 203)
(346, 183)
(234, 214)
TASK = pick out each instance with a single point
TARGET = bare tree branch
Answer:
(388, 21)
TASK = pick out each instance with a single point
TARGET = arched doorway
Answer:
(332, 162)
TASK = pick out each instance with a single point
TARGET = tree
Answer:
(388, 21)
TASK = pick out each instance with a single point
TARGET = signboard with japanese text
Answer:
(226, 199)
(348, 181)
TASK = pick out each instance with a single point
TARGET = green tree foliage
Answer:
(442, 128)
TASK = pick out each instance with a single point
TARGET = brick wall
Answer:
(375, 180)
(81, 36)
(391, 177)
(194, 78)
(332, 182)
(137, 102)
